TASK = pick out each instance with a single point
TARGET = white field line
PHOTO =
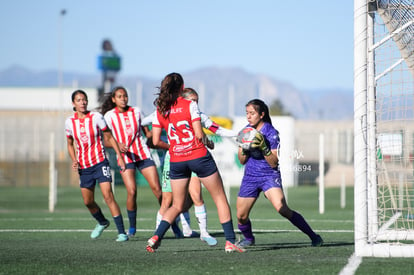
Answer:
(49, 219)
(61, 219)
(148, 219)
(351, 266)
(19, 230)
(308, 220)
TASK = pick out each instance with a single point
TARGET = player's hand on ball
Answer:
(245, 137)
(245, 146)
(260, 143)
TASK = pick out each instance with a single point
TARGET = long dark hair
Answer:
(108, 104)
(260, 107)
(169, 91)
(78, 92)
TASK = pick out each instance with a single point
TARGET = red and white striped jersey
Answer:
(178, 125)
(126, 129)
(87, 133)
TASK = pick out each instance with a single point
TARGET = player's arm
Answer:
(198, 130)
(157, 142)
(146, 131)
(71, 151)
(214, 127)
(259, 142)
(196, 122)
(122, 147)
(243, 155)
(110, 139)
(272, 159)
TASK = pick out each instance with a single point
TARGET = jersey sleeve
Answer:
(274, 139)
(156, 121)
(194, 111)
(214, 127)
(147, 120)
(68, 128)
(100, 121)
(138, 115)
(107, 118)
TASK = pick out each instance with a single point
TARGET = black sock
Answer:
(119, 222)
(162, 228)
(229, 231)
(100, 217)
(132, 217)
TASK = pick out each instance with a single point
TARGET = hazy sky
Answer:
(306, 43)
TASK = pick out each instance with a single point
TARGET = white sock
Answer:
(158, 220)
(201, 215)
(185, 223)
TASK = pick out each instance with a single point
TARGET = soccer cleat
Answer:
(231, 247)
(122, 238)
(98, 230)
(211, 241)
(245, 243)
(131, 231)
(318, 241)
(153, 243)
(192, 234)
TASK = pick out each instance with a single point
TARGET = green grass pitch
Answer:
(34, 241)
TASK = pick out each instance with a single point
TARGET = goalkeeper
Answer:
(262, 174)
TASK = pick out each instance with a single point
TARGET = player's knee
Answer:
(109, 199)
(132, 195)
(284, 211)
(242, 218)
(89, 204)
(132, 191)
(179, 208)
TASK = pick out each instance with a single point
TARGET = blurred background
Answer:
(297, 57)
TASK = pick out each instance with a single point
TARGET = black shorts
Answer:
(140, 164)
(203, 167)
(100, 172)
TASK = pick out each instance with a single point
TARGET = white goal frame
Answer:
(374, 238)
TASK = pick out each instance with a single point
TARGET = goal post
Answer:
(384, 128)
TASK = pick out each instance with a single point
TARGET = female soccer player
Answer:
(86, 129)
(125, 123)
(262, 174)
(181, 120)
(195, 184)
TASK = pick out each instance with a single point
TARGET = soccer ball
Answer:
(245, 137)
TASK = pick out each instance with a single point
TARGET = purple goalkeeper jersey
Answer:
(258, 175)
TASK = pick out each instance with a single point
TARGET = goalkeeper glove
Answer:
(260, 143)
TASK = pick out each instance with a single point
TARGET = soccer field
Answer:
(34, 241)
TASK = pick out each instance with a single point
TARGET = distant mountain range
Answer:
(214, 85)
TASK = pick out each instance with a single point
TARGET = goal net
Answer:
(384, 127)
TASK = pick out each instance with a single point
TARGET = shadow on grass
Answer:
(283, 245)
(264, 243)
(279, 246)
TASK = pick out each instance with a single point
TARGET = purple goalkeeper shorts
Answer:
(251, 188)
